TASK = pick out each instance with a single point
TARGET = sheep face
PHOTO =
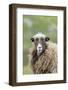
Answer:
(40, 41)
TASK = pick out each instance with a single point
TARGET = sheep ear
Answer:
(47, 39)
(32, 39)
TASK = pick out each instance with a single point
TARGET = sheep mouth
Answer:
(40, 52)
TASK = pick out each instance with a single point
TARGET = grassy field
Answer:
(33, 25)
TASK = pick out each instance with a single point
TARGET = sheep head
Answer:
(40, 42)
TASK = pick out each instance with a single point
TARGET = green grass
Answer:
(27, 70)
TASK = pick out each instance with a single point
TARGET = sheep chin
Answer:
(39, 52)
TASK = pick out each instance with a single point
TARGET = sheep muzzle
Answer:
(39, 49)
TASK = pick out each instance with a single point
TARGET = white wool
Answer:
(39, 35)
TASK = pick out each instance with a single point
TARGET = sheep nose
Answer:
(39, 47)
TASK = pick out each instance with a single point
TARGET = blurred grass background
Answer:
(31, 26)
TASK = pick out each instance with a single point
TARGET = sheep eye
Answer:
(47, 39)
(32, 39)
(37, 39)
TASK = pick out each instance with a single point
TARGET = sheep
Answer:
(43, 55)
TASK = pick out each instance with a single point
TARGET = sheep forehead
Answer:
(39, 35)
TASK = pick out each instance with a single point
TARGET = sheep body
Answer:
(46, 62)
